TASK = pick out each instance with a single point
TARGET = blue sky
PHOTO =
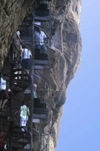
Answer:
(80, 124)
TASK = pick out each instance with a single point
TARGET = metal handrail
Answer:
(41, 79)
(42, 135)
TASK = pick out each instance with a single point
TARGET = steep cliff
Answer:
(65, 49)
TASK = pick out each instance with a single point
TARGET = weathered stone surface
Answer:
(66, 44)
(12, 13)
(65, 50)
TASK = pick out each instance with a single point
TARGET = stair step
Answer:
(20, 81)
(27, 91)
(40, 111)
(24, 141)
(41, 62)
(18, 90)
(18, 69)
(39, 105)
(20, 135)
(27, 42)
(21, 148)
(2, 114)
(19, 131)
(20, 84)
(39, 55)
(17, 136)
(18, 127)
(17, 147)
(42, 13)
(36, 120)
(39, 67)
(25, 76)
(27, 147)
(39, 116)
(42, 10)
(20, 72)
(26, 38)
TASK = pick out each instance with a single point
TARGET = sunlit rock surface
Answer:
(65, 49)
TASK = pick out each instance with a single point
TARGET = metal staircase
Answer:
(21, 82)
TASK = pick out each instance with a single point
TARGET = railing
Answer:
(44, 137)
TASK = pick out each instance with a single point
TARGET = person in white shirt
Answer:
(3, 97)
(24, 113)
(17, 46)
(39, 37)
(26, 58)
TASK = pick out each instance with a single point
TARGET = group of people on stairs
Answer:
(22, 56)
(24, 110)
(25, 54)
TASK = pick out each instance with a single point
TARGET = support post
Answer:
(32, 82)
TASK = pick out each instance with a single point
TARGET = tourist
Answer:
(17, 47)
(3, 97)
(34, 90)
(26, 58)
(24, 113)
(39, 37)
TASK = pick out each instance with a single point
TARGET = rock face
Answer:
(12, 13)
(65, 49)
(66, 53)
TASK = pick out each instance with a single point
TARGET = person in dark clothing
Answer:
(1, 141)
